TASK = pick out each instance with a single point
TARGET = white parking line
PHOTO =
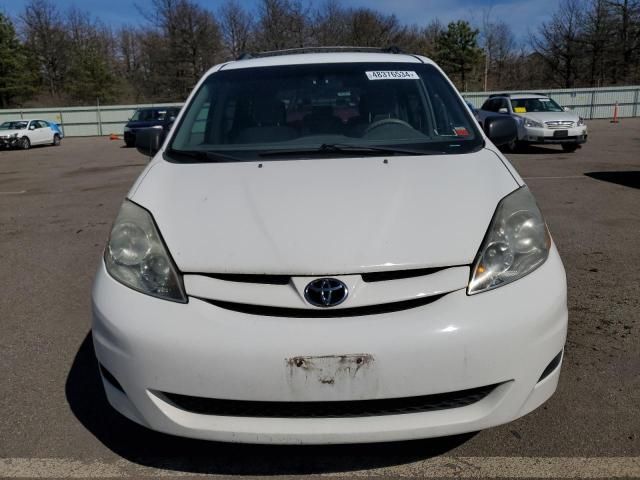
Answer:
(13, 193)
(437, 467)
(552, 178)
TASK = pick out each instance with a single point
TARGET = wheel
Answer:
(24, 143)
(129, 143)
(56, 140)
(569, 147)
(513, 146)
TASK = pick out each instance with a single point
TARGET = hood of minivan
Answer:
(325, 216)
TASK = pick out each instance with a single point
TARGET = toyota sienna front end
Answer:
(327, 249)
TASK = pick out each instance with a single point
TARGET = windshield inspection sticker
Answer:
(393, 75)
(461, 131)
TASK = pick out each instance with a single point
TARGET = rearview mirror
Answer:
(149, 141)
(500, 130)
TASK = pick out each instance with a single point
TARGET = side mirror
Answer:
(566, 109)
(149, 141)
(32, 127)
(503, 110)
(500, 130)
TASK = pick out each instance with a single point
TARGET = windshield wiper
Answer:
(345, 148)
(204, 155)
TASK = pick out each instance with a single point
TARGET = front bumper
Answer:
(506, 336)
(9, 142)
(533, 135)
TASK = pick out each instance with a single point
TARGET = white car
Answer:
(26, 133)
(326, 249)
(541, 121)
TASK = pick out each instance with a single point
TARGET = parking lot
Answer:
(56, 208)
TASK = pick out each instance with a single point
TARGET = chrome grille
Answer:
(559, 124)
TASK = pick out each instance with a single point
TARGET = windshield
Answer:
(151, 115)
(13, 125)
(524, 105)
(254, 111)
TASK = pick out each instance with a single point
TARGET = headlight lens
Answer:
(580, 121)
(532, 123)
(516, 243)
(136, 256)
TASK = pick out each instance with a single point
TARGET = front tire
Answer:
(569, 147)
(25, 143)
(514, 146)
(56, 140)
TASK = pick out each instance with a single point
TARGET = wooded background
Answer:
(54, 57)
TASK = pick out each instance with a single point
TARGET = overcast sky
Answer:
(522, 15)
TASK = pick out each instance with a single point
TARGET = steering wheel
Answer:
(386, 121)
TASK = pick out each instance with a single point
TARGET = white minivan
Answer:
(326, 248)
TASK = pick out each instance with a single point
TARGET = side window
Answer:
(486, 105)
(504, 103)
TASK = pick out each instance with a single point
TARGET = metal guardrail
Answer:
(590, 103)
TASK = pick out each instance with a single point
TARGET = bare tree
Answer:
(596, 38)
(48, 41)
(330, 25)
(628, 38)
(498, 44)
(558, 43)
(236, 26)
(194, 43)
(283, 24)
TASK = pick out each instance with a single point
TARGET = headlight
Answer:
(516, 243)
(532, 123)
(580, 121)
(136, 256)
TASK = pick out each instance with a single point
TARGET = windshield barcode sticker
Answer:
(393, 75)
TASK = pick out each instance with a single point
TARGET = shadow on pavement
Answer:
(628, 178)
(534, 149)
(137, 444)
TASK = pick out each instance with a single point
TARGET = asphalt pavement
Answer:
(56, 208)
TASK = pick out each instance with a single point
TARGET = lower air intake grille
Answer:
(340, 409)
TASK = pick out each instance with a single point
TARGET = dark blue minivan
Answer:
(162, 117)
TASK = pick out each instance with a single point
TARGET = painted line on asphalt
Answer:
(553, 178)
(13, 193)
(436, 467)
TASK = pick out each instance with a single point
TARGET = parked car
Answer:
(378, 277)
(473, 110)
(540, 120)
(149, 118)
(56, 128)
(26, 133)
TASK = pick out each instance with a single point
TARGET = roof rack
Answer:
(293, 51)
